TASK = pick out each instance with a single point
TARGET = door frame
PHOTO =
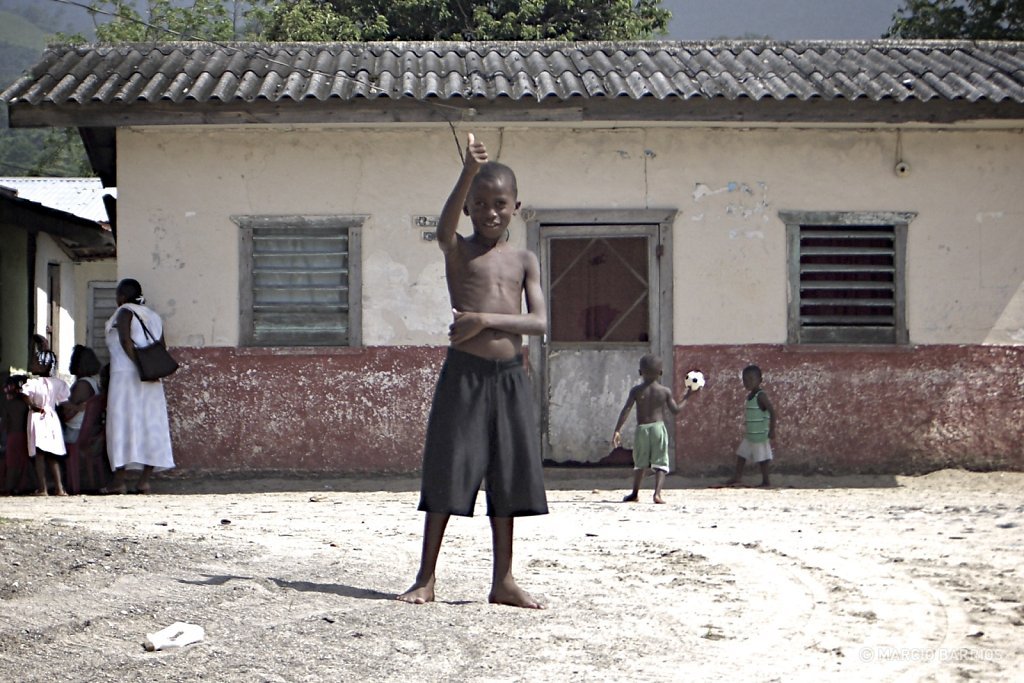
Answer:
(541, 223)
(54, 297)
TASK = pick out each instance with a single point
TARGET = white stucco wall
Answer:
(74, 296)
(178, 188)
(49, 253)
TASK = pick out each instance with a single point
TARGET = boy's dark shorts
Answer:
(483, 427)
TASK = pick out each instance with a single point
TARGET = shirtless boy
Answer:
(482, 422)
(650, 450)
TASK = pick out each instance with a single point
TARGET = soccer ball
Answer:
(694, 380)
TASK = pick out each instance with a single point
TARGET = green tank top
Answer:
(758, 421)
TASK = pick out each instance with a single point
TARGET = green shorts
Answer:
(650, 447)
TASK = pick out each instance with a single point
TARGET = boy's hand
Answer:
(465, 327)
(476, 154)
(616, 439)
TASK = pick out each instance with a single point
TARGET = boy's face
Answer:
(751, 380)
(490, 205)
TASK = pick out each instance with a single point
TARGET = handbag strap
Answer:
(145, 330)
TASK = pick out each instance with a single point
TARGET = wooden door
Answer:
(608, 305)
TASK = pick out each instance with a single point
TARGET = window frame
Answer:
(899, 221)
(98, 341)
(353, 223)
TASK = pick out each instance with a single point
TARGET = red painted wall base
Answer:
(841, 410)
(858, 409)
(313, 410)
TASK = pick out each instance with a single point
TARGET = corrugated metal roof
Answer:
(249, 72)
(82, 197)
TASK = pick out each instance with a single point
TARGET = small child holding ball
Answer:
(760, 429)
(650, 450)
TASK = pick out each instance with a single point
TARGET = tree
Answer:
(52, 152)
(118, 21)
(959, 19)
(363, 20)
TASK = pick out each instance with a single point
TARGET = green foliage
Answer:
(959, 19)
(68, 39)
(310, 20)
(161, 21)
(366, 20)
(52, 152)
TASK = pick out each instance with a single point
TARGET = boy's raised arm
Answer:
(671, 401)
(448, 224)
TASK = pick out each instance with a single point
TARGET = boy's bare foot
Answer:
(631, 498)
(60, 492)
(509, 593)
(658, 499)
(419, 593)
(732, 482)
(141, 489)
(40, 492)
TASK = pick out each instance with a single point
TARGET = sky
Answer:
(780, 19)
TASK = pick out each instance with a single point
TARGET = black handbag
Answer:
(153, 361)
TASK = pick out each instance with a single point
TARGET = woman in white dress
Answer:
(138, 435)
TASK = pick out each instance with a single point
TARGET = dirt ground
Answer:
(869, 578)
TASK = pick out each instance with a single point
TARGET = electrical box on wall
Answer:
(425, 221)
(429, 222)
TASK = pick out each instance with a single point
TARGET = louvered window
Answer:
(102, 304)
(300, 280)
(847, 274)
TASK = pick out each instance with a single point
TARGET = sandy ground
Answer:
(859, 579)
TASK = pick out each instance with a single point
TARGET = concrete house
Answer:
(849, 216)
(58, 266)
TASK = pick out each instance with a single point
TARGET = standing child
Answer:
(650, 447)
(45, 437)
(482, 423)
(15, 417)
(760, 429)
(85, 366)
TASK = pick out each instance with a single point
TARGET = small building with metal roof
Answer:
(58, 265)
